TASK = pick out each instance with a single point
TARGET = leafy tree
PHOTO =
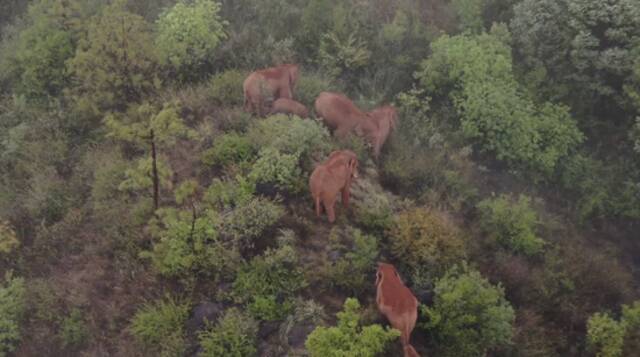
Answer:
(152, 129)
(476, 72)
(12, 308)
(116, 63)
(511, 223)
(234, 335)
(606, 336)
(349, 338)
(469, 316)
(469, 14)
(188, 34)
(160, 326)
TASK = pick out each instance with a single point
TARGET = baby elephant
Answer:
(333, 176)
(289, 106)
(397, 303)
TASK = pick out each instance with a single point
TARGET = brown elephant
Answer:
(377, 126)
(269, 84)
(397, 303)
(289, 106)
(333, 176)
(339, 113)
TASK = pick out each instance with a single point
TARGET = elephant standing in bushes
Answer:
(269, 84)
(333, 176)
(289, 106)
(377, 126)
(339, 113)
(397, 303)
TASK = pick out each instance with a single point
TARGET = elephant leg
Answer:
(318, 206)
(345, 197)
(330, 207)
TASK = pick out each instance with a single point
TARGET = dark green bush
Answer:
(373, 207)
(12, 308)
(511, 223)
(73, 329)
(469, 316)
(159, 327)
(249, 221)
(226, 87)
(279, 170)
(235, 335)
(268, 283)
(227, 149)
(356, 263)
(226, 194)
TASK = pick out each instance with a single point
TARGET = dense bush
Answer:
(511, 223)
(227, 149)
(249, 221)
(357, 254)
(279, 170)
(349, 338)
(12, 308)
(426, 240)
(469, 316)
(268, 283)
(606, 336)
(188, 34)
(226, 87)
(159, 327)
(234, 335)
(309, 87)
(373, 207)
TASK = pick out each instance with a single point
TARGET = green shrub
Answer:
(511, 223)
(605, 335)
(227, 149)
(349, 338)
(279, 170)
(12, 308)
(309, 87)
(188, 34)
(304, 139)
(423, 239)
(358, 253)
(8, 239)
(250, 221)
(159, 327)
(268, 283)
(372, 207)
(226, 87)
(73, 329)
(226, 194)
(235, 335)
(469, 316)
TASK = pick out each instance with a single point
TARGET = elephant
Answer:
(332, 176)
(338, 112)
(397, 303)
(377, 126)
(267, 85)
(289, 106)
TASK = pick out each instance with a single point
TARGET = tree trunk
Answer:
(156, 184)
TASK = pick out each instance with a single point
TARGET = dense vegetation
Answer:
(143, 212)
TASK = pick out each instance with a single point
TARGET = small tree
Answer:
(235, 335)
(188, 34)
(469, 315)
(606, 336)
(150, 128)
(349, 338)
(12, 308)
(160, 326)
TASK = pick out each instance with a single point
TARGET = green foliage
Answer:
(12, 308)
(8, 239)
(188, 34)
(115, 64)
(349, 338)
(469, 316)
(249, 221)
(495, 114)
(310, 85)
(230, 148)
(280, 170)
(343, 57)
(226, 87)
(426, 240)
(73, 329)
(511, 223)
(605, 335)
(269, 282)
(159, 327)
(469, 14)
(356, 262)
(226, 194)
(372, 206)
(235, 335)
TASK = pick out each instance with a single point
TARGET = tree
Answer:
(188, 34)
(349, 338)
(469, 14)
(160, 326)
(115, 63)
(234, 335)
(12, 308)
(606, 336)
(150, 128)
(469, 316)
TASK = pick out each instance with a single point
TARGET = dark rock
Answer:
(203, 312)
